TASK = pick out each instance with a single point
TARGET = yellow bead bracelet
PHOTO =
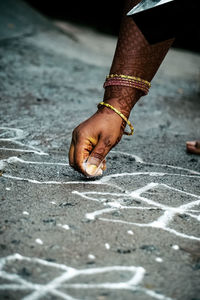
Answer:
(120, 114)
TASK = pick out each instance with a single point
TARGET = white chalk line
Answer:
(170, 230)
(52, 182)
(140, 160)
(15, 159)
(19, 135)
(49, 182)
(162, 222)
(24, 151)
(67, 273)
(152, 174)
(169, 211)
(104, 180)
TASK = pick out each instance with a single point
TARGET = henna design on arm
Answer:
(133, 56)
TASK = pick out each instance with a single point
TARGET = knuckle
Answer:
(108, 142)
(77, 134)
(98, 155)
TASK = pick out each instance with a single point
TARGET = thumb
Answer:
(94, 164)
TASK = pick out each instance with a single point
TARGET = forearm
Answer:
(133, 56)
(96, 136)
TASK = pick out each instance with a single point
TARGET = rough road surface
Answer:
(133, 234)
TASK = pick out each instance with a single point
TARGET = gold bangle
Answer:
(129, 77)
(121, 115)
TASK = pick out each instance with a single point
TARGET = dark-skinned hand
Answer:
(93, 139)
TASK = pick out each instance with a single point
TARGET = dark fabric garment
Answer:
(179, 19)
(160, 22)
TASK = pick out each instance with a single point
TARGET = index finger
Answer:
(82, 150)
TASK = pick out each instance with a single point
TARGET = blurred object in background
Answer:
(105, 16)
(160, 20)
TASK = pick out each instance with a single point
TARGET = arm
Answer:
(95, 137)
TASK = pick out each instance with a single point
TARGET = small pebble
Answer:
(25, 213)
(65, 226)
(39, 241)
(107, 246)
(8, 189)
(91, 256)
(175, 247)
(52, 202)
(130, 232)
(159, 259)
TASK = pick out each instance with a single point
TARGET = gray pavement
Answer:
(132, 234)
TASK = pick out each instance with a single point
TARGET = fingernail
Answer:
(191, 143)
(99, 172)
(91, 169)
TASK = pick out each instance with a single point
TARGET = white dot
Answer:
(65, 226)
(159, 259)
(25, 213)
(107, 246)
(39, 241)
(89, 216)
(8, 189)
(176, 247)
(52, 202)
(130, 232)
(91, 256)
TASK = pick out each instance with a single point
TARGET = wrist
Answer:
(122, 98)
(117, 103)
(124, 119)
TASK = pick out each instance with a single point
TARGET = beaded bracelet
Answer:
(136, 85)
(120, 114)
(125, 80)
(131, 80)
(129, 77)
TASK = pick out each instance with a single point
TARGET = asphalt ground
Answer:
(134, 233)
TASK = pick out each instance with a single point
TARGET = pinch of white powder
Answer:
(91, 256)
(39, 241)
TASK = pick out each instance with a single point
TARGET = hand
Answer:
(93, 139)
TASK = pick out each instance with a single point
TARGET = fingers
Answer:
(96, 161)
(71, 154)
(82, 150)
(87, 158)
(193, 147)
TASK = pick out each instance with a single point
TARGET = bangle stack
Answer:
(125, 80)
(130, 81)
